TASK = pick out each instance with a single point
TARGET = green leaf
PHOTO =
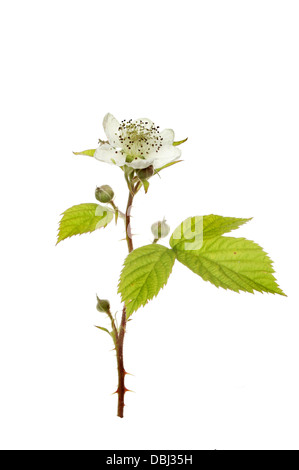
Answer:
(232, 263)
(83, 218)
(167, 165)
(179, 142)
(113, 336)
(145, 185)
(146, 271)
(89, 153)
(191, 233)
(116, 214)
(103, 329)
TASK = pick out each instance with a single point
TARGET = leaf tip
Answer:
(282, 293)
(179, 142)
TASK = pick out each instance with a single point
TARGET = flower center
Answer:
(139, 139)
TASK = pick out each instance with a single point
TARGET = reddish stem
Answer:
(121, 390)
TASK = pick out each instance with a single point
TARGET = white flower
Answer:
(137, 144)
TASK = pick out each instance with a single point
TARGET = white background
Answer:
(212, 369)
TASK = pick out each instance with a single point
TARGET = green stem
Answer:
(116, 209)
(127, 222)
(114, 328)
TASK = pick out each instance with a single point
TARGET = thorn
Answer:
(128, 373)
(126, 390)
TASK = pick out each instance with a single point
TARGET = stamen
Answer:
(135, 136)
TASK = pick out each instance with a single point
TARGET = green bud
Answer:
(160, 229)
(145, 173)
(104, 193)
(103, 305)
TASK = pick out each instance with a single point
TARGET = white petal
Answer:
(111, 126)
(166, 154)
(108, 154)
(168, 136)
(140, 163)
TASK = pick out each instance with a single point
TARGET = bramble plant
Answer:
(141, 151)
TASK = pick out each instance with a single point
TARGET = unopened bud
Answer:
(103, 305)
(160, 229)
(104, 193)
(145, 173)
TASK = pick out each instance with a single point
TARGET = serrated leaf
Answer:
(179, 142)
(146, 271)
(83, 218)
(191, 233)
(89, 153)
(232, 263)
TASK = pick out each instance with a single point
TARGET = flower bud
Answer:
(103, 305)
(104, 193)
(145, 173)
(160, 229)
